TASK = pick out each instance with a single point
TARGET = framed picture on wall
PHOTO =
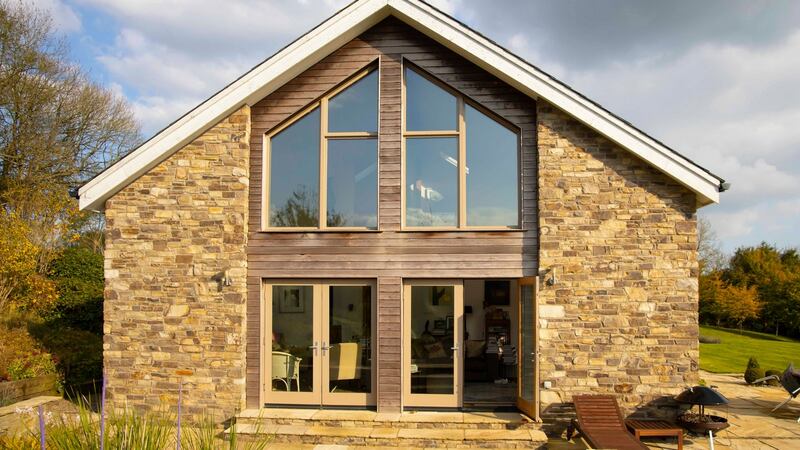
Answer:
(497, 292)
(292, 301)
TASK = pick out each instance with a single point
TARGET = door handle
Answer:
(325, 346)
(314, 347)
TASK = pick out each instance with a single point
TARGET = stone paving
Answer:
(753, 426)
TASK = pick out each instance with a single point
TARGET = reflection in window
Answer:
(355, 108)
(294, 166)
(352, 177)
(428, 107)
(348, 184)
(432, 182)
(491, 160)
(459, 171)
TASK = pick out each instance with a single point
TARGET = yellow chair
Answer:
(344, 360)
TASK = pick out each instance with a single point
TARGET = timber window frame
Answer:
(324, 137)
(460, 133)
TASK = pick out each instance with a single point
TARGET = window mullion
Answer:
(462, 166)
(323, 165)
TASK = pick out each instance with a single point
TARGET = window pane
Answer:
(350, 338)
(431, 354)
(292, 337)
(491, 172)
(352, 183)
(294, 174)
(355, 108)
(428, 107)
(431, 182)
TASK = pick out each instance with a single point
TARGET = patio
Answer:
(753, 426)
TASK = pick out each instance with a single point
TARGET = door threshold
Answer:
(320, 407)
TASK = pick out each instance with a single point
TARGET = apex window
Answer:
(460, 161)
(321, 166)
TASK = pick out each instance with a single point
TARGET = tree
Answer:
(774, 274)
(21, 286)
(57, 127)
(709, 251)
(738, 303)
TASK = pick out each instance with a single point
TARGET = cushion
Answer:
(435, 351)
(474, 349)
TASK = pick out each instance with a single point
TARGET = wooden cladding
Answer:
(390, 253)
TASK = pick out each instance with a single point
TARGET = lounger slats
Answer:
(600, 420)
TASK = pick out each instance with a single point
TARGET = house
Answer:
(395, 212)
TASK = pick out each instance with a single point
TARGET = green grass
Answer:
(731, 355)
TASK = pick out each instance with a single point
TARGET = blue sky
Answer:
(716, 80)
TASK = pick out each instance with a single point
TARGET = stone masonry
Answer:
(621, 237)
(170, 236)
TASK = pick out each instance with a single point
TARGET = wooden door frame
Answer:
(530, 408)
(454, 400)
(320, 308)
(312, 397)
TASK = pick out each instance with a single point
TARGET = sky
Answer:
(716, 80)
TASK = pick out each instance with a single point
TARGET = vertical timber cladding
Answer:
(390, 254)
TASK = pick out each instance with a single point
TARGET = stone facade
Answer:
(621, 237)
(170, 236)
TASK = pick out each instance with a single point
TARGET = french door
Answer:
(433, 329)
(528, 354)
(318, 342)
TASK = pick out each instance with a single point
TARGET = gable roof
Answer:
(346, 25)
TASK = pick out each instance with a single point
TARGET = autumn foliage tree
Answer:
(57, 128)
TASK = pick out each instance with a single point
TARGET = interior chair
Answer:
(285, 368)
(344, 360)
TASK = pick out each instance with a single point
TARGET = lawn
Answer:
(731, 355)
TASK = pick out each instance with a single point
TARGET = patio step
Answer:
(394, 437)
(412, 420)
(406, 430)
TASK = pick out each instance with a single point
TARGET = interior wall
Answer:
(474, 296)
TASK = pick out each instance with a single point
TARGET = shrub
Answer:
(78, 275)
(753, 371)
(21, 357)
(773, 382)
(79, 353)
(31, 366)
(710, 340)
(22, 288)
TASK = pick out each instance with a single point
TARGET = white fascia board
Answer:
(535, 83)
(254, 85)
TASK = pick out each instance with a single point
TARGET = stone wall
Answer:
(170, 235)
(621, 236)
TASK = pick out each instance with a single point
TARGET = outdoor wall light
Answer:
(223, 278)
(552, 280)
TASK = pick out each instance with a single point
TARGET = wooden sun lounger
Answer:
(600, 422)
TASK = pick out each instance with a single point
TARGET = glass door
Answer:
(318, 343)
(292, 341)
(432, 336)
(348, 347)
(528, 374)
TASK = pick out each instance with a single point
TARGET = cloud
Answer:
(65, 19)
